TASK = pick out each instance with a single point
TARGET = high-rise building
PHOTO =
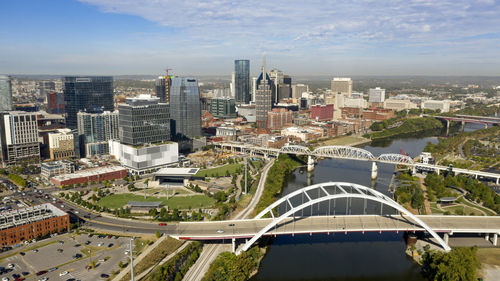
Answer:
(242, 81)
(89, 94)
(185, 109)
(232, 84)
(276, 77)
(263, 97)
(95, 130)
(144, 119)
(254, 87)
(55, 103)
(61, 145)
(46, 87)
(19, 137)
(162, 89)
(298, 89)
(376, 95)
(223, 107)
(284, 91)
(5, 93)
(342, 86)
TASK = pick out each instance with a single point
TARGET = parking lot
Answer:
(60, 255)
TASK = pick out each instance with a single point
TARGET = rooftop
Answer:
(177, 172)
(27, 215)
(89, 172)
(153, 204)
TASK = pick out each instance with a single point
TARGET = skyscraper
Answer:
(342, 86)
(263, 100)
(242, 81)
(96, 129)
(144, 120)
(162, 89)
(5, 93)
(376, 95)
(89, 94)
(19, 136)
(254, 87)
(185, 108)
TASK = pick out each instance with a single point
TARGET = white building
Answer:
(298, 89)
(19, 140)
(140, 159)
(398, 105)
(61, 144)
(355, 102)
(441, 105)
(376, 95)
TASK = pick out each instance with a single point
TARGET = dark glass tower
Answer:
(242, 81)
(185, 109)
(91, 94)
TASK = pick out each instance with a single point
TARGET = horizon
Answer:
(320, 38)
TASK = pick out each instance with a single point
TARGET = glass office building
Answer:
(5, 93)
(185, 108)
(95, 130)
(242, 81)
(91, 94)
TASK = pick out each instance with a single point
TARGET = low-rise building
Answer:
(28, 223)
(90, 175)
(61, 144)
(223, 107)
(279, 118)
(398, 105)
(227, 133)
(55, 168)
(439, 105)
(378, 114)
(321, 112)
(143, 158)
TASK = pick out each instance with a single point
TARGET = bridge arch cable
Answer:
(395, 158)
(342, 190)
(295, 149)
(346, 152)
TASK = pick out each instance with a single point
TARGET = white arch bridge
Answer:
(348, 153)
(328, 199)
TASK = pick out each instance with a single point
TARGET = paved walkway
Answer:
(164, 260)
(426, 201)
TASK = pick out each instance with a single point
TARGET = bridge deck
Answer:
(324, 224)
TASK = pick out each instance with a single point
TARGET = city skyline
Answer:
(201, 38)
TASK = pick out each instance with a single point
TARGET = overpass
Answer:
(348, 153)
(468, 119)
(330, 196)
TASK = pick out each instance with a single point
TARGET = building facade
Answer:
(5, 93)
(279, 118)
(89, 94)
(25, 224)
(61, 144)
(90, 175)
(144, 120)
(298, 89)
(19, 137)
(223, 107)
(162, 89)
(55, 103)
(95, 130)
(342, 86)
(321, 112)
(376, 95)
(139, 160)
(185, 108)
(242, 81)
(55, 168)
(263, 97)
(438, 105)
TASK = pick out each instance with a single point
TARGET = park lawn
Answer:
(219, 171)
(345, 140)
(486, 210)
(468, 210)
(119, 200)
(489, 255)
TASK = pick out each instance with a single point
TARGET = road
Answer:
(211, 251)
(351, 223)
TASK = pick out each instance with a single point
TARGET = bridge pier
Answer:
(413, 170)
(374, 171)
(447, 127)
(437, 171)
(487, 237)
(486, 125)
(446, 238)
(498, 180)
(495, 239)
(463, 126)
(310, 163)
(234, 245)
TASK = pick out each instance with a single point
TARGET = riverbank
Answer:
(409, 126)
(345, 141)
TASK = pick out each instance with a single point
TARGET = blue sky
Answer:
(357, 37)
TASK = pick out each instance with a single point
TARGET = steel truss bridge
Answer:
(348, 153)
(333, 197)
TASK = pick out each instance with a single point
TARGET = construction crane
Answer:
(166, 70)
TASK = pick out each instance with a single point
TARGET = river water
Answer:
(352, 256)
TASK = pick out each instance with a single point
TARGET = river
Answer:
(352, 256)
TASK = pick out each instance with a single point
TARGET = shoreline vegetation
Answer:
(409, 126)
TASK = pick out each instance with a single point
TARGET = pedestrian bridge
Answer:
(332, 196)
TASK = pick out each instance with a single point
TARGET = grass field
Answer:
(119, 200)
(345, 140)
(489, 255)
(219, 171)
(468, 210)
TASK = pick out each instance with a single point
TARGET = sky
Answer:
(306, 37)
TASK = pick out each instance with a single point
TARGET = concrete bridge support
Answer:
(234, 245)
(495, 239)
(447, 127)
(310, 163)
(374, 171)
(437, 171)
(446, 238)
(463, 126)
(486, 125)
(487, 237)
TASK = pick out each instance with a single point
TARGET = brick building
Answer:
(378, 114)
(37, 221)
(279, 118)
(321, 112)
(90, 175)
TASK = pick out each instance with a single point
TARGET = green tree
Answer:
(458, 264)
